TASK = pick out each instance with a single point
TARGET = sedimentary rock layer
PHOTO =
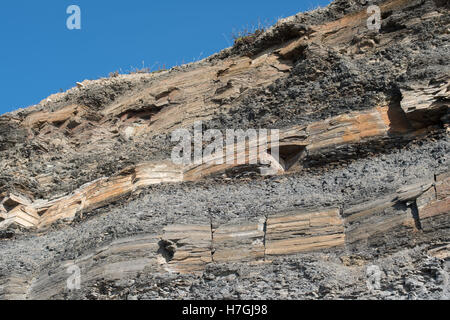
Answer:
(319, 139)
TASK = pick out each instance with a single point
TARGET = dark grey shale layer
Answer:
(119, 247)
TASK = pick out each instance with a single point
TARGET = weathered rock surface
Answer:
(357, 204)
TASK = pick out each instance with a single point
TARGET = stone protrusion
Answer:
(434, 205)
(239, 241)
(304, 231)
(190, 247)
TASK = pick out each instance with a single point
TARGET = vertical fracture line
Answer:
(212, 240)
(265, 236)
(415, 214)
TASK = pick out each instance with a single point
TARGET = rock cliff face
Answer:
(356, 206)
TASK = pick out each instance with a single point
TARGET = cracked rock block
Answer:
(14, 287)
(155, 173)
(24, 216)
(249, 154)
(200, 92)
(121, 259)
(434, 205)
(347, 129)
(425, 105)
(187, 248)
(394, 214)
(370, 222)
(101, 192)
(15, 208)
(304, 231)
(125, 257)
(92, 196)
(441, 251)
(57, 118)
(239, 241)
(14, 200)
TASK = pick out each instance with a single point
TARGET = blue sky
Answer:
(40, 56)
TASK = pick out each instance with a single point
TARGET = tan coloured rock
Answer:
(25, 216)
(239, 241)
(373, 218)
(441, 251)
(58, 117)
(14, 287)
(121, 259)
(435, 204)
(200, 92)
(187, 248)
(425, 104)
(304, 231)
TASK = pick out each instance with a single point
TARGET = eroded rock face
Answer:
(361, 182)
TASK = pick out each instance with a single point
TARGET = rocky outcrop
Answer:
(357, 147)
(303, 232)
(306, 145)
(192, 248)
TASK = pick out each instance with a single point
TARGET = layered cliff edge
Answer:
(357, 204)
